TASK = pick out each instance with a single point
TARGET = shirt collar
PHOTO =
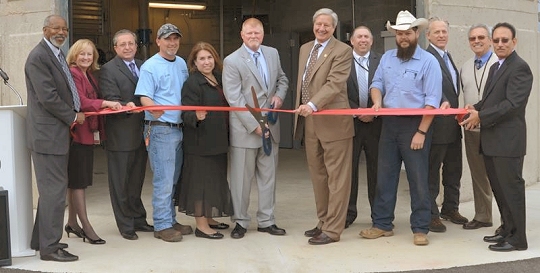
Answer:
(54, 49)
(356, 56)
(251, 51)
(485, 58)
(440, 51)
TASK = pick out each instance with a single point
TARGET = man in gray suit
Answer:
(126, 152)
(258, 66)
(53, 105)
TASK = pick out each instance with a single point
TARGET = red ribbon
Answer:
(335, 112)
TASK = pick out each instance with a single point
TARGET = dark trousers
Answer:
(395, 148)
(52, 181)
(366, 139)
(508, 185)
(126, 177)
(450, 157)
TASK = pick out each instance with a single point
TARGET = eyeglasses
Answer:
(479, 37)
(122, 45)
(503, 40)
(57, 29)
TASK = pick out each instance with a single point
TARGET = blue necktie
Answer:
(478, 63)
(259, 67)
(72, 86)
(362, 83)
(133, 71)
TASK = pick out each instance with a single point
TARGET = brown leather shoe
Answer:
(476, 225)
(455, 217)
(185, 229)
(420, 239)
(321, 239)
(168, 235)
(313, 232)
(374, 233)
(436, 225)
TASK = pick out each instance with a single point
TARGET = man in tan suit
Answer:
(324, 67)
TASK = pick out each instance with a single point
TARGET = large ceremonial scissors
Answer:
(262, 120)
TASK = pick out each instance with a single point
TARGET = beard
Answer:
(54, 41)
(406, 53)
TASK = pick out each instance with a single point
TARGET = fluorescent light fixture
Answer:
(177, 5)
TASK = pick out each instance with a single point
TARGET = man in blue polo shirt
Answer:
(160, 83)
(407, 77)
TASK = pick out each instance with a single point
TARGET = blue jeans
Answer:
(395, 148)
(166, 158)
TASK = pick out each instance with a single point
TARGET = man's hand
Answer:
(201, 115)
(80, 118)
(366, 118)
(304, 110)
(376, 106)
(259, 132)
(132, 105)
(277, 102)
(156, 113)
(472, 121)
(417, 142)
(114, 105)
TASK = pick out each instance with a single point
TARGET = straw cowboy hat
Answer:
(405, 20)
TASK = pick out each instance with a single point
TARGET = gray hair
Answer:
(437, 19)
(122, 32)
(480, 25)
(326, 11)
(47, 21)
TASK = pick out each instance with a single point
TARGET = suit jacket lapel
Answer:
(253, 68)
(123, 68)
(54, 60)
(457, 74)
(322, 57)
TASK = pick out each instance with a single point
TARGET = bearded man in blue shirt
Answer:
(407, 77)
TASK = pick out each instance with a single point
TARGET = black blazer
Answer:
(124, 131)
(502, 108)
(211, 135)
(445, 128)
(50, 109)
(352, 81)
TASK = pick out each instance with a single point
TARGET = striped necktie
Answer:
(72, 87)
(362, 83)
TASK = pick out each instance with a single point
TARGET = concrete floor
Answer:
(261, 252)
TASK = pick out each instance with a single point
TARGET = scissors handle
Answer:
(272, 116)
(267, 142)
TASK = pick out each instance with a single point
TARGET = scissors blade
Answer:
(255, 100)
(257, 115)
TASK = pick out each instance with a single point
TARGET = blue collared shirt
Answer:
(485, 58)
(260, 59)
(411, 84)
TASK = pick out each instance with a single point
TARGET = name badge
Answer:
(96, 138)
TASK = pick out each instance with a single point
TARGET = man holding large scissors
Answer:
(253, 66)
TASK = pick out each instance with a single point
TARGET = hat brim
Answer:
(420, 23)
(169, 34)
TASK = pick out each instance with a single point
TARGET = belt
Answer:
(161, 123)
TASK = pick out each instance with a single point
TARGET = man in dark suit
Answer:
(126, 152)
(367, 129)
(446, 139)
(501, 114)
(53, 105)
(323, 70)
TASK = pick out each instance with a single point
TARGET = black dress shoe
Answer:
(60, 245)
(476, 225)
(199, 233)
(60, 255)
(238, 231)
(505, 247)
(129, 235)
(273, 229)
(494, 239)
(313, 232)
(219, 226)
(322, 239)
(145, 228)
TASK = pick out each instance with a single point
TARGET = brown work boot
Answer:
(374, 233)
(436, 225)
(420, 239)
(455, 217)
(168, 235)
(185, 229)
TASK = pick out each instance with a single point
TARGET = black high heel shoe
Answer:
(69, 230)
(97, 241)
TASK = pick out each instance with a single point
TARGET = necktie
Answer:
(446, 59)
(307, 77)
(133, 71)
(362, 83)
(259, 67)
(72, 87)
(478, 63)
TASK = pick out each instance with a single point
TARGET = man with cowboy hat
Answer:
(407, 77)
